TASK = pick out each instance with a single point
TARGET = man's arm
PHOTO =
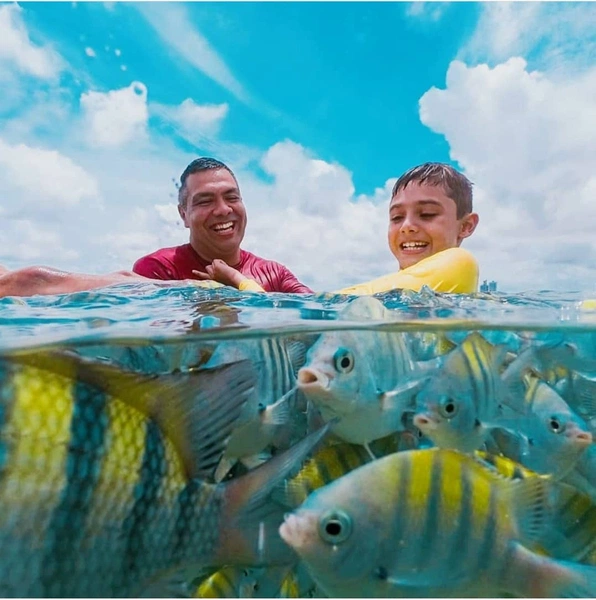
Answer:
(289, 283)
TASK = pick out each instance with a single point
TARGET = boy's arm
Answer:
(454, 270)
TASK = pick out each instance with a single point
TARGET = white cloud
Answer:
(309, 220)
(17, 50)
(45, 176)
(90, 52)
(427, 11)
(116, 117)
(557, 34)
(173, 24)
(194, 121)
(527, 142)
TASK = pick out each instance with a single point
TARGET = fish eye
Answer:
(343, 360)
(335, 527)
(556, 426)
(448, 407)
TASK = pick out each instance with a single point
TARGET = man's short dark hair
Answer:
(455, 185)
(204, 163)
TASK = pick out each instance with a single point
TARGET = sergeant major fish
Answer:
(102, 477)
(431, 523)
(366, 379)
(551, 438)
(468, 396)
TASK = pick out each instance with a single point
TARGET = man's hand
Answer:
(220, 271)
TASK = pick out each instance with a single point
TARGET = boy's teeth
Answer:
(414, 244)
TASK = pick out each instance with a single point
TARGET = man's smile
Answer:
(223, 228)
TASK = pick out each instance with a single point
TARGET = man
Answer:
(211, 206)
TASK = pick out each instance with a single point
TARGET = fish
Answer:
(106, 477)
(273, 404)
(431, 523)
(469, 395)
(364, 380)
(551, 438)
(227, 582)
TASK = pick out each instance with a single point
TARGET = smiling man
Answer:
(211, 207)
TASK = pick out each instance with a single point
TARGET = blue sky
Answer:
(317, 107)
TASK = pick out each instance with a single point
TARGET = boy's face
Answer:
(423, 221)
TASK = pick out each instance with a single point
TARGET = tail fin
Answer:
(251, 517)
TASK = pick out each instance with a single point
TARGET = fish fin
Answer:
(197, 410)
(530, 575)
(278, 413)
(531, 500)
(400, 397)
(585, 396)
(297, 355)
(251, 513)
(514, 381)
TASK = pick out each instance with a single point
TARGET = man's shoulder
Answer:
(169, 252)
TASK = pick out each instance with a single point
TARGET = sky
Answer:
(317, 107)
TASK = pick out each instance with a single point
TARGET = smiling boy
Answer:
(430, 213)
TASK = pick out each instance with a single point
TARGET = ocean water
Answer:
(163, 314)
(160, 328)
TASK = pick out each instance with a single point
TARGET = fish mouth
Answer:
(579, 437)
(294, 530)
(312, 379)
(425, 422)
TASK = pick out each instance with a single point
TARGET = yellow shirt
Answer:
(454, 270)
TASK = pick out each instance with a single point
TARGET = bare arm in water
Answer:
(30, 281)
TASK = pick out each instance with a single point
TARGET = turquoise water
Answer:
(164, 314)
(160, 328)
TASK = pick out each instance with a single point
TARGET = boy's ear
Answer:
(468, 225)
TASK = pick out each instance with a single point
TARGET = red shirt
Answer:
(178, 263)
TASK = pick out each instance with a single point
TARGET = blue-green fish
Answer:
(363, 380)
(550, 438)
(468, 395)
(431, 523)
(103, 477)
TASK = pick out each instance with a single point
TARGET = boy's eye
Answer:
(396, 218)
(428, 215)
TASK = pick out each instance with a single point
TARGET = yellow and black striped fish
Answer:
(102, 476)
(432, 523)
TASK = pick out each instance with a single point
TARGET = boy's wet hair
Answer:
(205, 163)
(455, 185)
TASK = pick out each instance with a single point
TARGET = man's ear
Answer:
(468, 225)
(182, 213)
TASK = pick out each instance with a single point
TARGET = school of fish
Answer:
(353, 463)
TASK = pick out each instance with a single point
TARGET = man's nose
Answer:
(222, 208)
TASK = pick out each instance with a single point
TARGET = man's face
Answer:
(423, 221)
(215, 214)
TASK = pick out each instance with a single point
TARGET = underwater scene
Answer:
(178, 441)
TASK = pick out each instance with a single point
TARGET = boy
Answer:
(429, 215)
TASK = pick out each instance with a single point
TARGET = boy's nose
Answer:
(408, 225)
